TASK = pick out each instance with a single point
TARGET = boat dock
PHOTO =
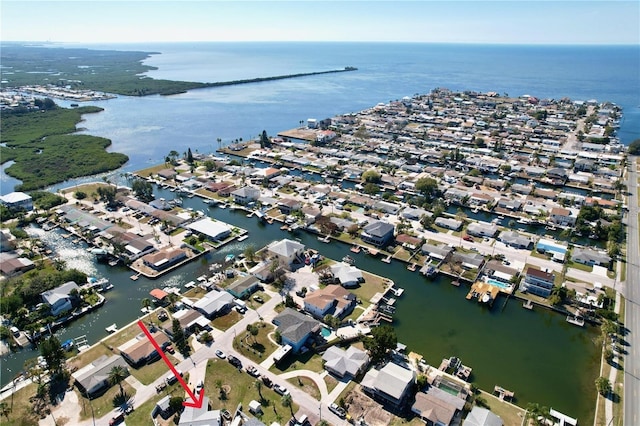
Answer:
(528, 305)
(386, 259)
(355, 249)
(503, 393)
(325, 239)
(575, 320)
(480, 289)
(455, 367)
(112, 328)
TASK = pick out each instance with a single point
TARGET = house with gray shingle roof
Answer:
(390, 384)
(59, 298)
(287, 251)
(295, 328)
(588, 256)
(345, 363)
(513, 239)
(378, 233)
(93, 379)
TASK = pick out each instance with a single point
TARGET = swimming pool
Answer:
(498, 283)
(325, 332)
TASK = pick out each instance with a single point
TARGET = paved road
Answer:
(632, 312)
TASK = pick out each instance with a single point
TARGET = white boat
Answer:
(112, 328)
(242, 238)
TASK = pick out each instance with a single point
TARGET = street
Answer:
(632, 311)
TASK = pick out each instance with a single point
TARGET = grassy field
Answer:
(331, 382)
(372, 284)
(307, 385)
(21, 409)
(104, 404)
(509, 413)
(239, 387)
(306, 361)
(226, 321)
(256, 348)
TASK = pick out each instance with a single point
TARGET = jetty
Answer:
(355, 249)
(386, 259)
(324, 239)
(484, 292)
(112, 328)
(528, 305)
(575, 320)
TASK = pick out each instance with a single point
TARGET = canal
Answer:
(536, 354)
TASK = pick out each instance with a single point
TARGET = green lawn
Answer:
(372, 284)
(238, 388)
(307, 385)
(258, 347)
(255, 305)
(150, 372)
(509, 413)
(580, 266)
(104, 404)
(226, 321)
(331, 382)
(21, 413)
(306, 361)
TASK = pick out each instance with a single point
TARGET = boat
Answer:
(349, 260)
(355, 249)
(242, 238)
(325, 239)
(412, 267)
(67, 345)
(398, 291)
(112, 328)
(486, 298)
(229, 257)
(575, 320)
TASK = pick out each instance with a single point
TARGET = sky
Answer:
(445, 21)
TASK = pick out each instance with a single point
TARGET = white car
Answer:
(338, 410)
(280, 390)
(220, 354)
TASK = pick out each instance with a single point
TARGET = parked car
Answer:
(338, 410)
(253, 371)
(468, 238)
(161, 387)
(258, 299)
(280, 390)
(267, 381)
(170, 349)
(234, 361)
(117, 419)
(220, 354)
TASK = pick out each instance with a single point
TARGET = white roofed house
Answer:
(347, 275)
(17, 201)
(448, 223)
(245, 195)
(478, 229)
(214, 303)
(212, 229)
(345, 363)
(287, 251)
(60, 299)
(391, 384)
(513, 239)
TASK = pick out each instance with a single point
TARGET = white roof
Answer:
(210, 227)
(15, 197)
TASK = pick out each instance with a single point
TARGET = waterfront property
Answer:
(377, 233)
(93, 379)
(214, 303)
(209, 228)
(330, 300)
(390, 384)
(345, 363)
(60, 299)
(538, 282)
(295, 328)
(17, 201)
(287, 251)
(243, 287)
(140, 351)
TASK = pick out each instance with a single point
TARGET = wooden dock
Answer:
(480, 288)
(503, 394)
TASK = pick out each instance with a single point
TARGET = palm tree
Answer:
(4, 409)
(116, 375)
(288, 403)
(146, 303)
(258, 385)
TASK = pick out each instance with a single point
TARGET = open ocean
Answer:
(147, 128)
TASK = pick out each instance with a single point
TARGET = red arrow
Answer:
(195, 402)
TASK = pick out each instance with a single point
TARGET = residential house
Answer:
(214, 303)
(390, 385)
(164, 258)
(17, 201)
(468, 260)
(482, 417)
(200, 416)
(243, 287)
(190, 320)
(513, 239)
(330, 300)
(93, 379)
(538, 282)
(412, 213)
(245, 195)
(588, 256)
(342, 363)
(287, 251)
(436, 252)
(289, 205)
(162, 408)
(210, 228)
(448, 223)
(160, 297)
(408, 241)
(60, 299)
(377, 233)
(562, 217)
(141, 351)
(510, 204)
(295, 328)
(482, 229)
(11, 264)
(347, 275)
(435, 408)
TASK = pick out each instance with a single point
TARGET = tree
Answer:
(179, 338)
(175, 403)
(428, 187)
(371, 176)
(5, 409)
(371, 188)
(53, 354)
(634, 147)
(603, 385)
(288, 403)
(189, 156)
(382, 339)
(146, 303)
(258, 385)
(265, 142)
(253, 330)
(537, 413)
(143, 190)
(250, 252)
(116, 375)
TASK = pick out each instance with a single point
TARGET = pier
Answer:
(503, 394)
